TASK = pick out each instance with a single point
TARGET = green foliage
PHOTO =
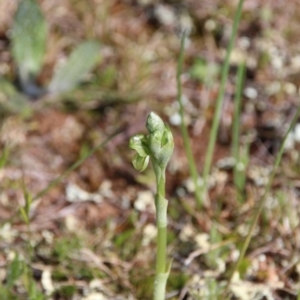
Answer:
(34, 292)
(183, 127)
(244, 266)
(82, 60)
(11, 100)
(204, 71)
(241, 156)
(142, 283)
(177, 280)
(108, 76)
(15, 270)
(263, 199)
(25, 210)
(219, 102)
(240, 170)
(210, 291)
(158, 145)
(18, 272)
(122, 238)
(28, 37)
(4, 155)
(66, 292)
(64, 247)
(213, 255)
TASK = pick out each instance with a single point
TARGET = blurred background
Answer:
(77, 80)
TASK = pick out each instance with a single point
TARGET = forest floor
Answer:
(92, 234)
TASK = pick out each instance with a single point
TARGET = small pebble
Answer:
(251, 93)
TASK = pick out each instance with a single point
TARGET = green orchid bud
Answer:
(154, 143)
(167, 148)
(140, 163)
(155, 123)
(160, 140)
(139, 144)
(157, 145)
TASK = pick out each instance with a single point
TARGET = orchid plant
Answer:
(156, 147)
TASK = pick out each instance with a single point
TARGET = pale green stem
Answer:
(161, 204)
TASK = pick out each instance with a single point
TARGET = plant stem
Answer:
(158, 145)
(161, 249)
(184, 132)
(219, 103)
(161, 204)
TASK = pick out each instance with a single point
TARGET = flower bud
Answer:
(167, 148)
(154, 123)
(139, 144)
(160, 140)
(157, 145)
(140, 163)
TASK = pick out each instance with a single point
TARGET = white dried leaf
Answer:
(202, 240)
(297, 133)
(149, 234)
(187, 232)
(95, 296)
(145, 201)
(74, 193)
(46, 282)
(7, 233)
(72, 223)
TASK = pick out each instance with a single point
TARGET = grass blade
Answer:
(262, 201)
(239, 174)
(219, 103)
(184, 132)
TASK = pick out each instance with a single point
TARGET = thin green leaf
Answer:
(24, 215)
(15, 270)
(4, 155)
(82, 60)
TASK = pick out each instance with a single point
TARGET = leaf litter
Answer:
(107, 205)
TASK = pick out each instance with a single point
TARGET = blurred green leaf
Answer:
(12, 101)
(4, 155)
(29, 33)
(123, 238)
(204, 71)
(7, 89)
(64, 247)
(66, 291)
(24, 215)
(34, 293)
(82, 60)
(244, 266)
(15, 271)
